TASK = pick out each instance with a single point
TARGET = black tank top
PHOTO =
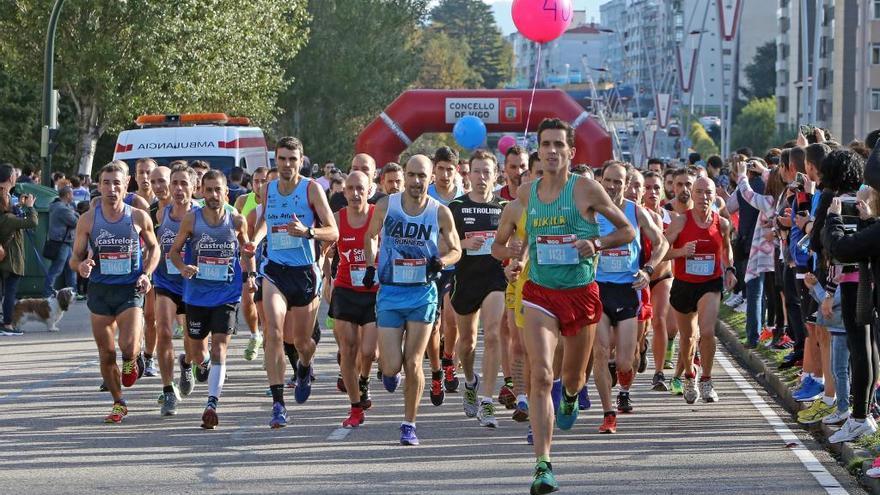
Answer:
(477, 219)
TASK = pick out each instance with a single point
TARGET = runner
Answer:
(291, 277)
(119, 276)
(701, 252)
(353, 306)
(478, 287)
(418, 241)
(516, 162)
(621, 279)
(143, 171)
(219, 258)
(560, 296)
(392, 178)
(245, 204)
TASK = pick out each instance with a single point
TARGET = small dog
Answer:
(48, 311)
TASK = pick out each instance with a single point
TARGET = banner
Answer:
(663, 108)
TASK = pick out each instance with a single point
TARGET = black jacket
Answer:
(861, 247)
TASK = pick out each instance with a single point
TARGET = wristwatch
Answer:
(597, 244)
(648, 269)
(310, 234)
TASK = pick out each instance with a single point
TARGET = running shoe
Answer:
(624, 403)
(202, 371)
(766, 334)
(437, 394)
(142, 364)
(853, 430)
(169, 404)
(609, 423)
(690, 392)
(707, 391)
(209, 417)
(469, 404)
(809, 391)
(668, 364)
(161, 398)
(816, 412)
(178, 331)
(567, 413)
(544, 481)
(355, 418)
(734, 300)
(103, 387)
(584, 399)
(391, 382)
(741, 308)
(506, 397)
(486, 414)
(130, 373)
(612, 368)
(675, 386)
(556, 393)
(253, 346)
(836, 417)
(643, 357)
(450, 381)
(303, 384)
(530, 439)
(340, 383)
(658, 383)
(366, 400)
(521, 413)
(150, 367)
(408, 435)
(186, 375)
(279, 416)
(874, 472)
(118, 412)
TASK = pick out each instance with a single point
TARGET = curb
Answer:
(767, 375)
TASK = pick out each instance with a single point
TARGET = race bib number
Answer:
(700, 264)
(279, 239)
(557, 250)
(357, 273)
(614, 260)
(169, 266)
(410, 271)
(214, 269)
(118, 263)
(488, 239)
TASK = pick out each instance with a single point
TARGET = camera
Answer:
(848, 207)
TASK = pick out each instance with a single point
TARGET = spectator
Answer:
(235, 187)
(80, 191)
(11, 239)
(337, 182)
(329, 170)
(27, 173)
(62, 226)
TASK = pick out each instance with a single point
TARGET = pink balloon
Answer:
(505, 143)
(542, 20)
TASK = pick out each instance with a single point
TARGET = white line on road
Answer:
(339, 434)
(825, 479)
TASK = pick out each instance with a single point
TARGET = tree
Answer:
(756, 125)
(117, 59)
(761, 73)
(701, 142)
(362, 54)
(444, 62)
(472, 22)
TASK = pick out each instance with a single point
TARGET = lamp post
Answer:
(50, 97)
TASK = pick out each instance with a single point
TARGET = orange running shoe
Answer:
(609, 424)
(118, 412)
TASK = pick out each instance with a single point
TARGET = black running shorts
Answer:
(684, 296)
(620, 302)
(468, 295)
(202, 321)
(353, 306)
(175, 298)
(298, 284)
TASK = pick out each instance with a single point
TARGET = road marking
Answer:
(339, 434)
(823, 477)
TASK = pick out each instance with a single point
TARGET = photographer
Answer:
(849, 241)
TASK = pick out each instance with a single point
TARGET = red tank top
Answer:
(350, 247)
(705, 264)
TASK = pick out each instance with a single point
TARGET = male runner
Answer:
(621, 279)
(143, 171)
(515, 163)
(560, 296)
(392, 178)
(245, 204)
(294, 208)
(353, 306)
(701, 252)
(201, 167)
(219, 258)
(478, 287)
(119, 276)
(418, 241)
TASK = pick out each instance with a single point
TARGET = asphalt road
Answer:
(52, 439)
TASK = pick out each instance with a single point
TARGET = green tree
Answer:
(362, 54)
(117, 59)
(755, 126)
(444, 62)
(701, 142)
(472, 22)
(761, 73)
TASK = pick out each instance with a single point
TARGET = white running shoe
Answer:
(741, 308)
(733, 301)
(853, 430)
(691, 394)
(707, 391)
(836, 417)
(486, 414)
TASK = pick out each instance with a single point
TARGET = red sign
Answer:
(510, 111)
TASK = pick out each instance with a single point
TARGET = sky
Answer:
(502, 12)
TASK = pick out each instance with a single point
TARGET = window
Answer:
(876, 10)
(875, 53)
(782, 104)
(875, 100)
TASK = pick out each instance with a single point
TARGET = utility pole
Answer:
(50, 98)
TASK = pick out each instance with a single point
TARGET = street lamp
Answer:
(50, 97)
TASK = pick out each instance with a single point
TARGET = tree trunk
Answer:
(89, 132)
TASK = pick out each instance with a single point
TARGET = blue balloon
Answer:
(469, 132)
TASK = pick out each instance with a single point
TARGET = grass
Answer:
(854, 466)
(870, 443)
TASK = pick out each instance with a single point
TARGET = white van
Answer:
(216, 138)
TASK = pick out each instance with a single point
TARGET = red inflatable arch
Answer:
(421, 111)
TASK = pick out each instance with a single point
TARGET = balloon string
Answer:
(534, 87)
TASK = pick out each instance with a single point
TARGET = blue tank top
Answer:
(214, 250)
(282, 248)
(167, 276)
(619, 265)
(408, 243)
(116, 248)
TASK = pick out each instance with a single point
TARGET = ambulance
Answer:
(224, 142)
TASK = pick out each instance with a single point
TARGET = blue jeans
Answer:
(840, 366)
(10, 295)
(59, 266)
(754, 310)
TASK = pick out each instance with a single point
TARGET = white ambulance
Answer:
(224, 142)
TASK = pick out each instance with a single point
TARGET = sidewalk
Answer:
(763, 363)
